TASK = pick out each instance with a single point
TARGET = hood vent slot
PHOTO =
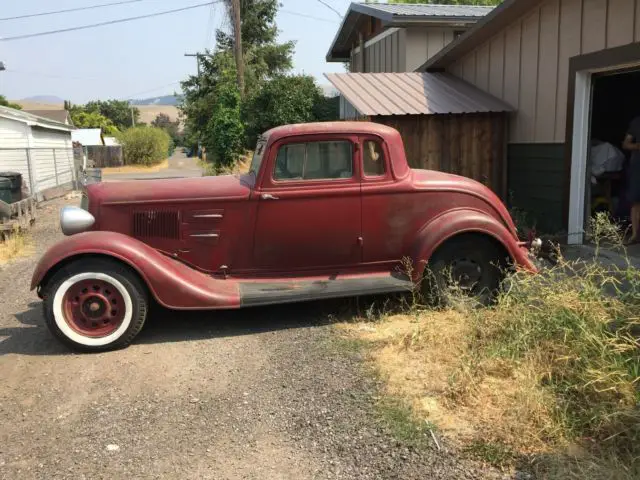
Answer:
(156, 224)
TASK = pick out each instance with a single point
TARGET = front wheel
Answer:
(95, 305)
(470, 266)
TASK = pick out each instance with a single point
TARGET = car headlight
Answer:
(75, 220)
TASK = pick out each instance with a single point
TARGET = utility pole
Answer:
(133, 117)
(237, 31)
(198, 55)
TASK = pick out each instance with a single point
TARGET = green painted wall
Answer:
(536, 181)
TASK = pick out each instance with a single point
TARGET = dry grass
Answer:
(550, 375)
(15, 245)
(148, 113)
(136, 168)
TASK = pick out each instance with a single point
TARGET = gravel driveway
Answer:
(253, 394)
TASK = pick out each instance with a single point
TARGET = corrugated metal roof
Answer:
(413, 93)
(400, 15)
(32, 120)
(426, 10)
(61, 116)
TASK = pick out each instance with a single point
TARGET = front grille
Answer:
(156, 224)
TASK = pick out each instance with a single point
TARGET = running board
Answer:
(269, 293)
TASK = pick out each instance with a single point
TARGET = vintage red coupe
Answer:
(327, 210)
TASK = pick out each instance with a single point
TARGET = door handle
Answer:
(268, 196)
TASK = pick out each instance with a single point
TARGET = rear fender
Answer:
(455, 222)
(173, 284)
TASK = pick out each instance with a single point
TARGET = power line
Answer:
(330, 7)
(128, 97)
(307, 16)
(102, 24)
(77, 9)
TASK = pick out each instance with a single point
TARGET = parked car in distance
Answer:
(327, 210)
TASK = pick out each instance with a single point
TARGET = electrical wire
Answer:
(209, 31)
(128, 97)
(102, 24)
(330, 7)
(77, 9)
(304, 15)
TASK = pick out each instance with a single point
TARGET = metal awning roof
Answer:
(413, 93)
(33, 120)
(399, 15)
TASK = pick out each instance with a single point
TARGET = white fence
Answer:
(41, 168)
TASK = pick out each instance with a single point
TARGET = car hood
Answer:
(168, 190)
(433, 180)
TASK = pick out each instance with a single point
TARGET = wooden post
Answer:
(55, 166)
(361, 59)
(237, 31)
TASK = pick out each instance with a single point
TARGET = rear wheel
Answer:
(95, 305)
(468, 265)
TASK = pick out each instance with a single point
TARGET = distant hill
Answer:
(163, 100)
(48, 99)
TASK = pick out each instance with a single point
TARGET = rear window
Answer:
(328, 160)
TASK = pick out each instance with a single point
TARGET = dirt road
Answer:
(255, 394)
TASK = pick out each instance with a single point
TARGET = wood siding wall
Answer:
(469, 145)
(388, 54)
(527, 64)
(424, 43)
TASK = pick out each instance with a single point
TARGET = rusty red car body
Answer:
(232, 241)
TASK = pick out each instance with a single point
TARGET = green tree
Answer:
(264, 58)
(6, 103)
(82, 119)
(282, 100)
(163, 121)
(223, 135)
(118, 111)
(144, 145)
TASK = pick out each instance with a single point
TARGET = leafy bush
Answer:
(144, 145)
(283, 100)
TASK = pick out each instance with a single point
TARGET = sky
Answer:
(139, 59)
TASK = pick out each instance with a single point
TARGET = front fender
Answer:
(455, 222)
(173, 284)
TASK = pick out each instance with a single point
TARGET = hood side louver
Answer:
(156, 224)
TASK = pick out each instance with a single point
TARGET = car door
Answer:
(382, 220)
(309, 205)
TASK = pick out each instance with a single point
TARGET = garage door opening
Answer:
(615, 103)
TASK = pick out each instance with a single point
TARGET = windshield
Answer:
(257, 156)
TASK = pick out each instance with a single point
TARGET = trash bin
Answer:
(16, 185)
(5, 190)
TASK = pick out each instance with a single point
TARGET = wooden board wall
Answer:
(471, 145)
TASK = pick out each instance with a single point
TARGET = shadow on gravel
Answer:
(181, 326)
(166, 326)
(33, 338)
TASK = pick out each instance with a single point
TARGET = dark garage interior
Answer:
(616, 102)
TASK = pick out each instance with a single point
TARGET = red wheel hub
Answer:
(93, 308)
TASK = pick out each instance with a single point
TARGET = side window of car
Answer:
(314, 161)
(374, 163)
(290, 162)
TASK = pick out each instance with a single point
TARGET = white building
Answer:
(39, 148)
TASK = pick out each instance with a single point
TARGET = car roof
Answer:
(369, 128)
(390, 135)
